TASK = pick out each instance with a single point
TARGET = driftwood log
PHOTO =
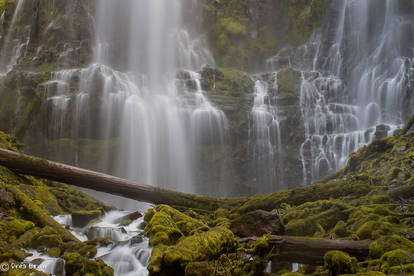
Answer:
(311, 251)
(25, 164)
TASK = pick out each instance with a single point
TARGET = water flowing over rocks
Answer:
(210, 97)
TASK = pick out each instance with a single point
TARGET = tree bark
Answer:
(29, 165)
(311, 251)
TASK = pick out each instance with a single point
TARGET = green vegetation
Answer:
(243, 33)
(26, 207)
(361, 202)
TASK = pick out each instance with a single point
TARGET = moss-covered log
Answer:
(26, 164)
(309, 250)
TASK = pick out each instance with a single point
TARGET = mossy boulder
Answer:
(374, 229)
(395, 257)
(339, 262)
(257, 223)
(47, 237)
(390, 243)
(166, 225)
(407, 269)
(76, 264)
(12, 228)
(197, 247)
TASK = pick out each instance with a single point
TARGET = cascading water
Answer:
(12, 49)
(142, 92)
(357, 86)
(264, 138)
(127, 252)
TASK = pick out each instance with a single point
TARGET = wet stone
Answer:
(82, 218)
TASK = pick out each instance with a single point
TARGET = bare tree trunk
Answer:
(26, 164)
(311, 251)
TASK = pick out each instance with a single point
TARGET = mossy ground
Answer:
(370, 199)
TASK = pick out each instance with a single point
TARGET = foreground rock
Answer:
(27, 205)
(257, 223)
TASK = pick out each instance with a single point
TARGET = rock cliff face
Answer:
(40, 38)
(45, 44)
(243, 34)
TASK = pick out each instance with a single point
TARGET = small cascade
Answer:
(209, 127)
(45, 263)
(333, 129)
(128, 253)
(264, 138)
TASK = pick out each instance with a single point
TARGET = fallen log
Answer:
(309, 250)
(25, 164)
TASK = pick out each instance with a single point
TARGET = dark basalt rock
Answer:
(131, 216)
(257, 223)
(82, 218)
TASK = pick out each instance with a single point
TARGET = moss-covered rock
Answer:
(339, 263)
(390, 243)
(257, 223)
(200, 246)
(395, 257)
(76, 264)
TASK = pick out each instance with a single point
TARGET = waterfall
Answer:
(264, 138)
(141, 91)
(357, 86)
(12, 50)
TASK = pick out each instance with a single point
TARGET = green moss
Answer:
(162, 229)
(199, 269)
(390, 243)
(75, 264)
(340, 230)
(407, 269)
(242, 34)
(261, 246)
(185, 223)
(312, 217)
(12, 228)
(200, 246)
(149, 214)
(339, 262)
(396, 257)
(9, 142)
(374, 229)
(48, 237)
(53, 252)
